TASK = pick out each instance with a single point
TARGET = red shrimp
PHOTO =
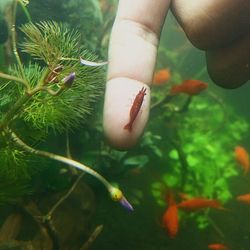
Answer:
(136, 106)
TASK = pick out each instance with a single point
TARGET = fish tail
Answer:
(128, 126)
(246, 169)
(219, 206)
(170, 198)
(224, 209)
(245, 172)
(175, 89)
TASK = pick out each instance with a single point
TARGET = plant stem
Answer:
(13, 111)
(48, 233)
(64, 197)
(65, 160)
(92, 238)
(184, 108)
(20, 102)
(26, 12)
(16, 79)
(200, 73)
(13, 31)
(215, 226)
(69, 59)
(68, 153)
(182, 158)
(165, 99)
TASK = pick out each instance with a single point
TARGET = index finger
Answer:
(132, 55)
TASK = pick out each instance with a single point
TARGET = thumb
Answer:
(132, 55)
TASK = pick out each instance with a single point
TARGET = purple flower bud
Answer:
(69, 79)
(124, 202)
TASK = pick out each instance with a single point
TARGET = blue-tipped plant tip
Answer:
(126, 204)
(90, 63)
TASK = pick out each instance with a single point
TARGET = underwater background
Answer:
(194, 148)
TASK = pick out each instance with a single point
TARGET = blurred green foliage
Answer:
(200, 160)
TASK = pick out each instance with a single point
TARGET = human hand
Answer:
(222, 29)
(219, 27)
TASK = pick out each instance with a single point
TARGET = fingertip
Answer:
(229, 67)
(210, 24)
(119, 96)
(226, 80)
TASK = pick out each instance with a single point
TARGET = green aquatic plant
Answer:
(88, 16)
(70, 108)
(54, 91)
(48, 102)
(15, 172)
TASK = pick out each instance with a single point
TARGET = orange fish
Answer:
(170, 218)
(161, 77)
(245, 198)
(190, 87)
(217, 246)
(199, 203)
(241, 155)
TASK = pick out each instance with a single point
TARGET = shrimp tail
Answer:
(128, 126)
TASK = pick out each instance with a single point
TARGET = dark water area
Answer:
(143, 228)
(58, 173)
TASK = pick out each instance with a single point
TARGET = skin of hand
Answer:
(221, 28)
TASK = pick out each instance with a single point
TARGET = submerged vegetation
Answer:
(37, 97)
(200, 161)
(55, 105)
(50, 110)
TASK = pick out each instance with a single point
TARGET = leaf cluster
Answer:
(51, 42)
(15, 172)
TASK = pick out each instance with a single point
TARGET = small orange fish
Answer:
(170, 218)
(217, 246)
(245, 198)
(136, 106)
(190, 87)
(241, 156)
(161, 76)
(199, 203)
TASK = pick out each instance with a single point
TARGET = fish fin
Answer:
(183, 196)
(219, 206)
